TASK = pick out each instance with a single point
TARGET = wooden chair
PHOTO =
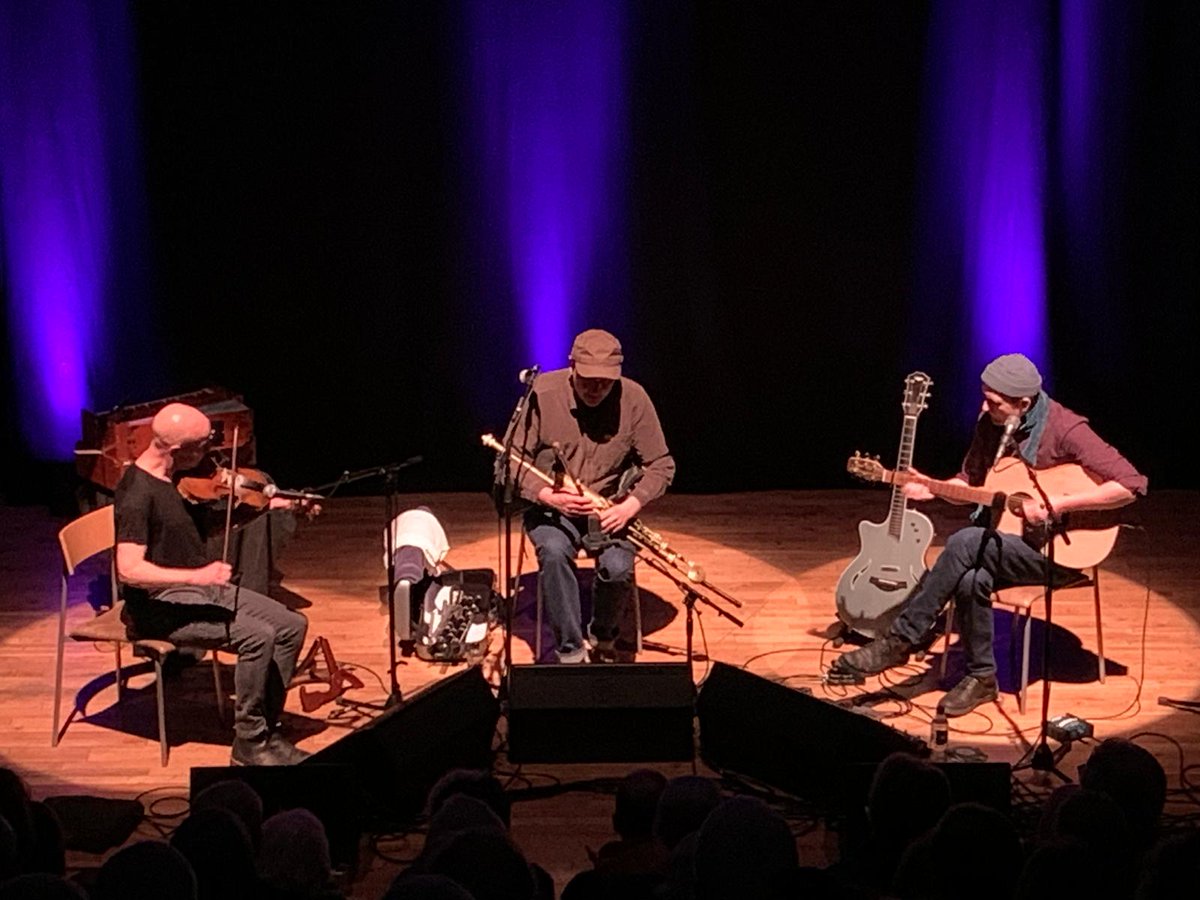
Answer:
(80, 540)
(1021, 601)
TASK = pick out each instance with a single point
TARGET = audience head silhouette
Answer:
(1134, 779)
(146, 869)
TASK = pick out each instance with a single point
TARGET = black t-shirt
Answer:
(151, 512)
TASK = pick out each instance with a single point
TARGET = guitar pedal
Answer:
(844, 678)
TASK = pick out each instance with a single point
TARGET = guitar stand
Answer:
(338, 680)
(837, 633)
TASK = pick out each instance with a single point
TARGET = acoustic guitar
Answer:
(1081, 539)
(892, 556)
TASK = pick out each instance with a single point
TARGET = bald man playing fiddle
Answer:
(173, 590)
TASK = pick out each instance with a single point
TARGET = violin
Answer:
(249, 487)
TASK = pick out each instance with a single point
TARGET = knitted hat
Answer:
(1013, 375)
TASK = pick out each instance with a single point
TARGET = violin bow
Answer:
(233, 476)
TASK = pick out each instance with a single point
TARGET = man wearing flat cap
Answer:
(596, 425)
(1017, 417)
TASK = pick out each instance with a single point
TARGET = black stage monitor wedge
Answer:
(327, 792)
(620, 712)
(789, 740)
(398, 756)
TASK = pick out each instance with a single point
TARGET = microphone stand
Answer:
(1044, 759)
(504, 509)
(388, 473)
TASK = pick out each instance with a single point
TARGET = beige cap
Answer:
(597, 354)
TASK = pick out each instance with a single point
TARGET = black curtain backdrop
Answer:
(315, 242)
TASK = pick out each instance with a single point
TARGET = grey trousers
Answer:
(266, 636)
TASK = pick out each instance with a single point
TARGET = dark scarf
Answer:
(1033, 423)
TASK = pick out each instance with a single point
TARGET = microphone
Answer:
(558, 459)
(561, 472)
(526, 376)
(1010, 425)
(271, 490)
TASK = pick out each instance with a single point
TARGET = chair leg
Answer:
(537, 626)
(636, 598)
(117, 672)
(216, 667)
(946, 644)
(58, 666)
(1015, 626)
(162, 710)
(1099, 627)
(1024, 688)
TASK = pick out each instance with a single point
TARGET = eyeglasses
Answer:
(201, 444)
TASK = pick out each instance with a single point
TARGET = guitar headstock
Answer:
(868, 468)
(916, 393)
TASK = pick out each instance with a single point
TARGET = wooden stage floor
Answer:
(779, 552)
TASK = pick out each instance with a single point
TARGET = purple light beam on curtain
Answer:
(549, 82)
(56, 208)
(989, 126)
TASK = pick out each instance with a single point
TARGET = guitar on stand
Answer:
(892, 556)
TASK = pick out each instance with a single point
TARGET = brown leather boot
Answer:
(968, 694)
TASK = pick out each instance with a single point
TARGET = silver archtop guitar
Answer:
(892, 556)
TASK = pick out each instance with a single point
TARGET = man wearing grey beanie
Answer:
(1017, 418)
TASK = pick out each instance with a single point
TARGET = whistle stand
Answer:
(690, 596)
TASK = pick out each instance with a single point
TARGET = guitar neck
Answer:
(947, 490)
(908, 437)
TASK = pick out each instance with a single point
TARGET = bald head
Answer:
(177, 424)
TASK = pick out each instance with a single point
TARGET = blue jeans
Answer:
(975, 562)
(557, 539)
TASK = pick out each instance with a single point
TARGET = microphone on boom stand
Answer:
(1010, 425)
